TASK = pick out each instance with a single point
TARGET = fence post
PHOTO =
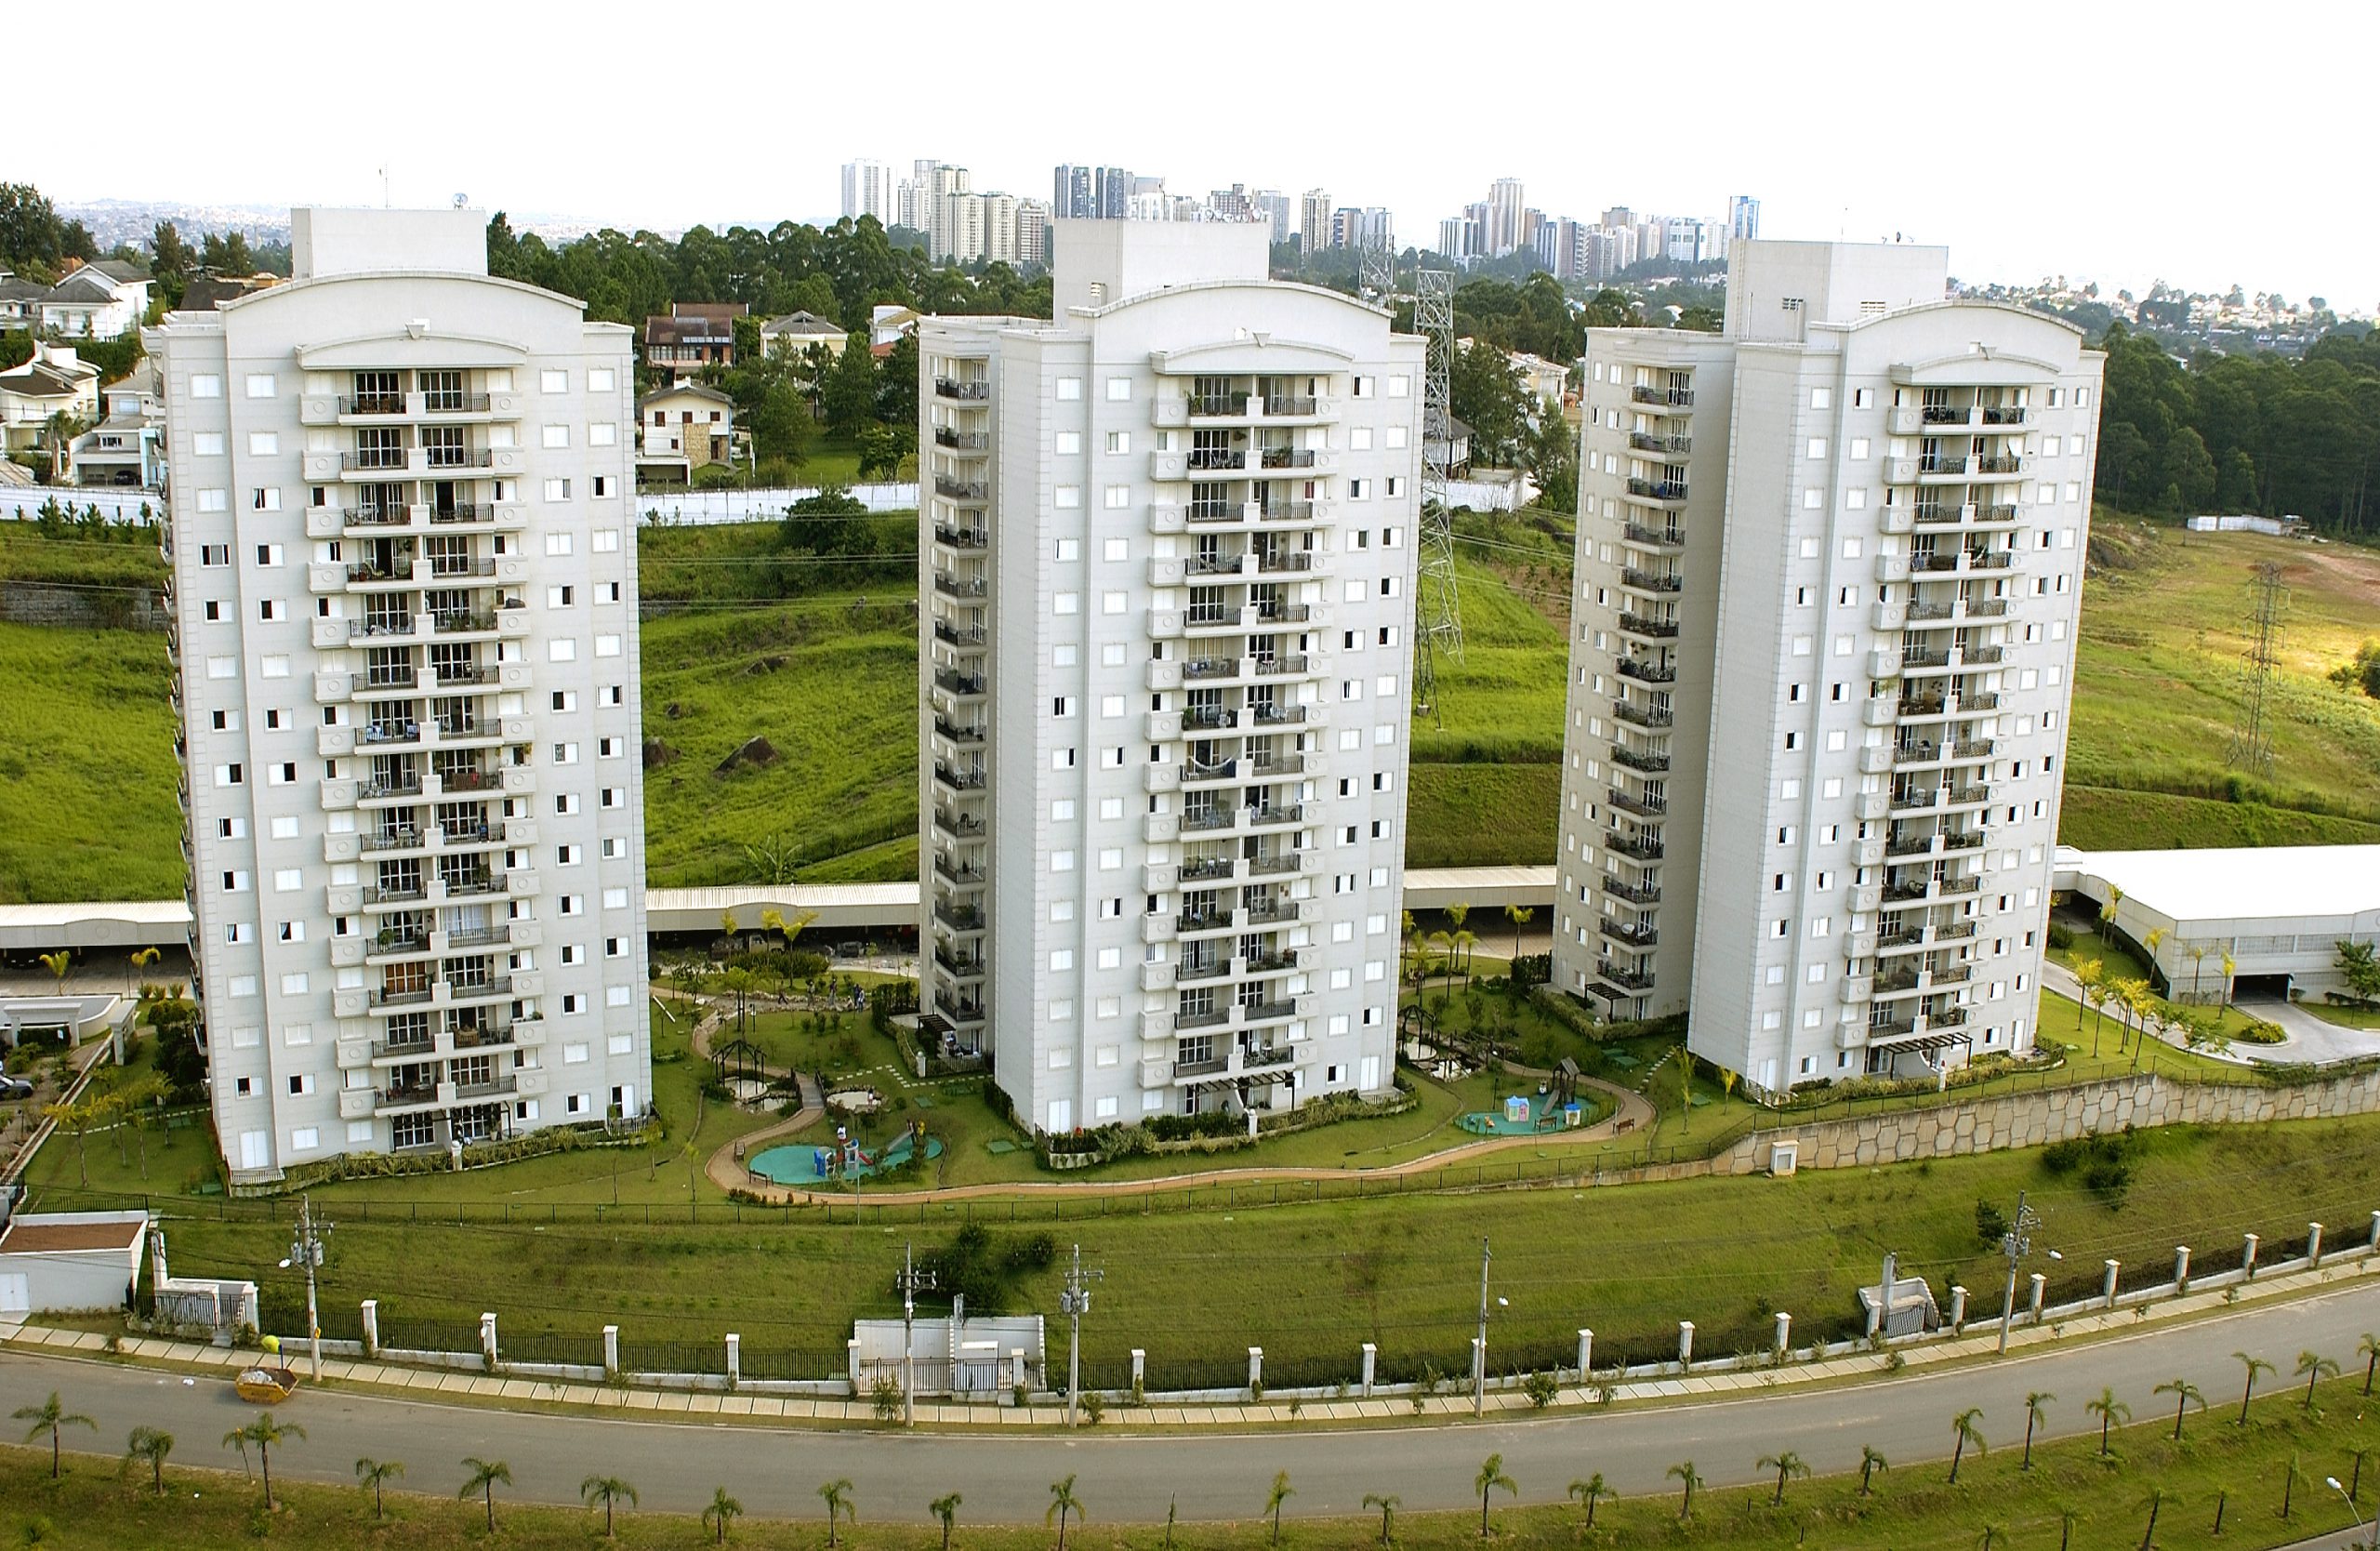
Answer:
(1372, 1365)
(372, 1328)
(1255, 1368)
(1784, 1334)
(1958, 1308)
(2181, 1268)
(487, 1341)
(612, 1352)
(2040, 1291)
(2313, 1244)
(734, 1359)
(1685, 1343)
(1139, 1369)
(2108, 1288)
(1586, 1352)
(2248, 1259)
(2373, 1242)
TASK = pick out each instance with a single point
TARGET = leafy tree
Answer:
(149, 1446)
(1969, 1436)
(50, 1416)
(2255, 1365)
(2358, 965)
(850, 388)
(485, 1477)
(1491, 1478)
(227, 254)
(2185, 1395)
(32, 239)
(724, 1510)
(1486, 393)
(264, 1432)
(373, 1476)
(606, 1490)
(2036, 1403)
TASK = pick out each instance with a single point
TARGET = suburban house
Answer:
(126, 446)
(19, 301)
(105, 301)
(54, 382)
(1543, 378)
(205, 291)
(1454, 452)
(695, 335)
(70, 1261)
(889, 321)
(797, 332)
(681, 428)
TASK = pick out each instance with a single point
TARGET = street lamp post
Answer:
(1479, 1358)
(2351, 1508)
(2017, 1243)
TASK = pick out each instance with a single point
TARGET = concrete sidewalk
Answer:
(498, 1391)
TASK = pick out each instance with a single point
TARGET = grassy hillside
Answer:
(86, 767)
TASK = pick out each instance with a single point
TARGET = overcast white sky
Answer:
(2125, 143)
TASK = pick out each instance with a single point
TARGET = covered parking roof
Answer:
(2241, 883)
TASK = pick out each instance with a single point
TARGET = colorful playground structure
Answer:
(844, 1161)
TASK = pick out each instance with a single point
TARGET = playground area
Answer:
(1521, 1115)
(802, 1164)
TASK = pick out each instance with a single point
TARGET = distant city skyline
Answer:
(2099, 157)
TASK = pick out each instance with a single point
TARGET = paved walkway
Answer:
(677, 1445)
(2309, 1039)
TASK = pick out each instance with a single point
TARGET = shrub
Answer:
(2061, 937)
(1541, 1388)
(1990, 1223)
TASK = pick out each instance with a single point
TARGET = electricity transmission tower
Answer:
(1379, 275)
(1437, 609)
(2251, 739)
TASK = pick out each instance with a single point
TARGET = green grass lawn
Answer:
(2070, 1495)
(88, 765)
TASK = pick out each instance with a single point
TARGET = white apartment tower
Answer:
(405, 642)
(1829, 568)
(1168, 565)
(869, 188)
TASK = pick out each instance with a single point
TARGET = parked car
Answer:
(14, 1088)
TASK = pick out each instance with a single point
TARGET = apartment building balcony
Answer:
(1290, 513)
(1649, 628)
(1269, 714)
(1201, 972)
(965, 443)
(1644, 671)
(959, 779)
(1208, 870)
(1209, 719)
(1280, 562)
(1210, 515)
(967, 637)
(951, 586)
(1642, 716)
(962, 390)
(1280, 1010)
(1635, 894)
(1662, 540)
(1644, 805)
(1619, 930)
(1213, 772)
(973, 492)
(1263, 818)
(964, 920)
(959, 733)
(1644, 846)
(1657, 443)
(957, 875)
(1950, 751)
(1660, 583)
(377, 467)
(1631, 981)
(962, 686)
(1960, 563)
(1280, 863)
(957, 825)
(1666, 493)
(1637, 759)
(1662, 399)
(963, 541)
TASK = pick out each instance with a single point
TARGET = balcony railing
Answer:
(1676, 397)
(1266, 715)
(1281, 666)
(1210, 868)
(1217, 459)
(962, 538)
(1658, 489)
(1940, 465)
(1288, 458)
(956, 733)
(1647, 804)
(1651, 581)
(1642, 716)
(1208, 406)
(1642, 624)
(1286, 559)
(952, 388)
(2000, 465)
(1210, 718)
(1635, 980)
(1674, 446)
(1653, 763)
(958, 780)
(960, 489)
(1635, 936)
(1645, 848)
(1636, 533)
(963, 441)
(1634, 893)
(2004, 415)
(959, 635)
(953, 586)
(1648, 673)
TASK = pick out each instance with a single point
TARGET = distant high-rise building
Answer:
(1144, 893)
(1112, 193)
(1279, 210)
(1829, 572)
(1743, 218)
(402, 534)
(933, 183)
(1072, 199)
(1032, 232)
(1560, 246)
(868, 189)
(1505, 207)
(1454, 238)
(1314, 220)
(1475, 224)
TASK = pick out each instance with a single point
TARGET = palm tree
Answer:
(140, 958)
(1591, 1491)
(606, 1490)
(264, 1432)
(486, 1473)
(1463, 943)
(48, 1417)
(1787, 1465)
(1064, 1501)
(2369, 1350)
(946, 1508)
(150, 1445)
(1491, 1475)
(2089, 975)
(2291, 1474)
(1282, 1492)
(836, 1495)
(1993, 1534)
(1870, 1463)
(2185, 1394)
(2109, 1411)
(1683, 1473)
(2198, 953)
(724, 1508)
(1387, 1505)
(1968, 1433)
(2108, 911)
(2156, 1501)
(2067, 1520)
(1519, 916)
(2254, 1365)
(2231, 968)
(2034, 1402)
(373, 1476)
(2316, 1368)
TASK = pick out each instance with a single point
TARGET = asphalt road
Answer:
(1130, 1477)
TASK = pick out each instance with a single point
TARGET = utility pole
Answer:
(2017, 1243)
(305, 1249)
(1479, 1361)
(1073, 1303)
(912, 1280)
